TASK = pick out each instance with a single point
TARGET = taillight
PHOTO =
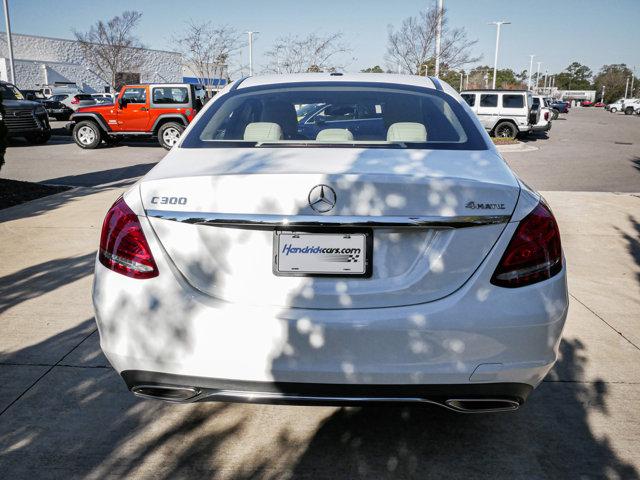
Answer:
(75, 100)
(123, 246)
(546, 115)
(534, 253)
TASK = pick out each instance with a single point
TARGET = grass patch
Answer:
(13, 192)
(504, 141)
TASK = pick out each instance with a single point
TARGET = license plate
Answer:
(318, 254)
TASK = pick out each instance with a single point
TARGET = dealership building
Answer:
(43, 61)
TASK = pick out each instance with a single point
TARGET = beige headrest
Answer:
(334, 135)
(263, 132)
(407, 132)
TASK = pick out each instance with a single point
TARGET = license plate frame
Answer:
(367, 243)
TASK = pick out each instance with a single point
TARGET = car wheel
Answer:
(505, 130)
(169, 134)
(613, 109)
(554, 113)
(628, 111)
(87, 134)
(39, 138)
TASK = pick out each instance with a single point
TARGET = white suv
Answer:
(630, 106)
(503, 113)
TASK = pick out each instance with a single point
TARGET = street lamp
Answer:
(9, 42)
(438, 37)
(530, 71)
(250, 33)
(495, 59)
(538, 75)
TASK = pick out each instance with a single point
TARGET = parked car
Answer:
(503, 113)
(75, 101)
(57, 110)
(599, 104)
(560, 106)
(616, 106)
(586, 103)
(60, 89)
(33, 95)
(544, 122)
(24, 118)
(252, 264)
(158, 110)
(364, 121)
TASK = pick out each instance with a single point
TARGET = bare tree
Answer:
(413, 45)
(313, 53)
(207, 49)
(111, 48)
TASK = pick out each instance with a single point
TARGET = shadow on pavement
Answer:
(45, 277)
(82, 422)
(122, 175)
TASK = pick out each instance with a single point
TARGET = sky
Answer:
(556, 31)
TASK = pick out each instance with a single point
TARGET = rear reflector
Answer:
(534, 253)
(123, 246)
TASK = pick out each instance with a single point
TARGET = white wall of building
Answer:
(42, 60)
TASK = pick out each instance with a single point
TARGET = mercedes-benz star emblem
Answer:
(322, 198)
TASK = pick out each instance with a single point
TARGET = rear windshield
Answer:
(342, 115)
(84, 97)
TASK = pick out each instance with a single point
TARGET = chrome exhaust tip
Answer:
(168, 394)
(482, 405)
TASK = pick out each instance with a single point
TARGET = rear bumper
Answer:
(480, 334)
(542, 128)
(506, 396)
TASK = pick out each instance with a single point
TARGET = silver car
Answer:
(74, 100)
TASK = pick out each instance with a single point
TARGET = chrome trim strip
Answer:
(277, 221)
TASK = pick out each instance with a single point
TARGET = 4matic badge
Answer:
(485, 206)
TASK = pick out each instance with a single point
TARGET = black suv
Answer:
(24, 118)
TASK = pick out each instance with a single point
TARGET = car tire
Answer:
(554, 113)
(169, 134)
(87, 134)
(505, 130)
(628, 111)
(39, 138)
(613, 109)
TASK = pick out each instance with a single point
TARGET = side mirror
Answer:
(122, 102)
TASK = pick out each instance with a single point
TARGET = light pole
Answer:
(438, 37)
(530, 71)
(626, 88)
(250, 33)
(495, 58)
(602, 98)
(9, 42)
(538, 75)
(633, 77)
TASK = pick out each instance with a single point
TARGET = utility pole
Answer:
(467, 81)
(633, 77)
(538, 75)
(530, 71)
(602, 98)
(461, 75)
(12, 77)
(250, 52)
(439, 36)
(495, 58)
(626, 88)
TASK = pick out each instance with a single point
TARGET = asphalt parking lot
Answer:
(64, 413)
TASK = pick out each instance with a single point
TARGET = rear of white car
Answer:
(392, 257)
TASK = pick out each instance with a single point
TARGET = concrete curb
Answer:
(517, 148)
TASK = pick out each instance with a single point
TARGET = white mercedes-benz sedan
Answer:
(332, 239)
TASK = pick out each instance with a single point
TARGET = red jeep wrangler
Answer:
(162, 110)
